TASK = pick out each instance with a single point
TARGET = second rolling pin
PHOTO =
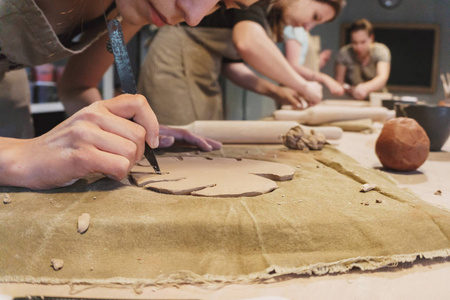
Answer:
(252, 132)
(325, 114)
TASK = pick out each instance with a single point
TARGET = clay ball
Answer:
(403, 145)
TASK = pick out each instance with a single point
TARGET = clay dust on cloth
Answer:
(319, 222)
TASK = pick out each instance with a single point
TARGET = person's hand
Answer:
(360, 92)
(169, 135)
(287, 96)
(99, 138)
(324, 57)
(335, 87)
(313, 93)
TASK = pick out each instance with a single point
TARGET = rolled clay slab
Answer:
(212, 177)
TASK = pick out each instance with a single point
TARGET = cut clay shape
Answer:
(214, 177)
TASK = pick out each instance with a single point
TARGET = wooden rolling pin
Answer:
(324, 114)
(252, 132)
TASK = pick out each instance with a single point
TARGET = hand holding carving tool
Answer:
(116, 45)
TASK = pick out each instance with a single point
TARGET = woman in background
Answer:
(191, 60)
(298, 45)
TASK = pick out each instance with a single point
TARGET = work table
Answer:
(423, 279)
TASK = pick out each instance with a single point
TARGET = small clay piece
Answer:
(6, 198)
(367, 187)
(438, 193)
(296, 138)
(366, 203)
(83, 223)
(402, 145)
(57, 264)
(378, 201)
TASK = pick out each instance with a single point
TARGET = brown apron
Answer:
(312, 60)
(27, 39)
(180, 74)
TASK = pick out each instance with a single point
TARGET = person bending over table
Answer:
(98, 137)
(297, 42)
(190, 60)
(363, 64)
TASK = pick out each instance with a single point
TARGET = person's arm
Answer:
(339, 73)
(261, 53)
(324, 57)
(243, 76)
(293, 51)
(83, 73)
(362, 90)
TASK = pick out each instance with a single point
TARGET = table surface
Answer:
(422, 279)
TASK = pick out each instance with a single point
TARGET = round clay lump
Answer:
(403, 145)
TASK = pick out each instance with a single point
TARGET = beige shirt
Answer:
(357, 73)
(27, 39)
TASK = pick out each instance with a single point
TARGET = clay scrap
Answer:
(212, 177)
(297, 138)
(57, 264)
(6, 198)
(83, 223)
(367, 187)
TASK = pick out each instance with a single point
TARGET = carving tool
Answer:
(116, 45)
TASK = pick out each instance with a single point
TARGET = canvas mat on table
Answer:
(317, 223)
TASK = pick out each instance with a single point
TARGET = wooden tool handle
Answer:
(251, 132)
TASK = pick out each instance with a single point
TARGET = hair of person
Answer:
(275, 14)
(361, 24)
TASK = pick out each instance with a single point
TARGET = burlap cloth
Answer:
(315, 224)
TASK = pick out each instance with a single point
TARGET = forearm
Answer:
(260, 86)
(83, 73)
(12, 172)
(305, 72)
(339, 73)
(375, 84)
(244, 77)
(75, 99)
(256, 48)
(380, 80)
(323, 78)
